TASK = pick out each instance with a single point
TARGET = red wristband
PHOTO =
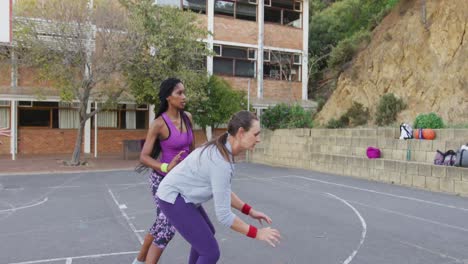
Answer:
(246, 209)
(252, 231)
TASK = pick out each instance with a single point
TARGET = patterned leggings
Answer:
(161, 230)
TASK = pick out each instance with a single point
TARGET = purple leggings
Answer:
(195, 227)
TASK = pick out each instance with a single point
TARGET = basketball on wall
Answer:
(427, 133)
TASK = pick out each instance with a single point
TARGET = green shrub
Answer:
(431, 120)
(299, 118)
(388, 108)
(333, 123)
(285, 116)
(275, 117)
(357, 115)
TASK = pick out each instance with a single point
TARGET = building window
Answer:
(240, 9)
(38, 114)
(4, 114)
(65, 116)
(282, 66)
(284, 12)
(124, 116)
(197, 6)
(234, 61)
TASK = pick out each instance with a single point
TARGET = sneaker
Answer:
(136, 261)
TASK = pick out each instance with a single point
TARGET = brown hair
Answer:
(240, 119)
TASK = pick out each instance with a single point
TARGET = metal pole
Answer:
(248, 96)
(13, 129)
(95, 130)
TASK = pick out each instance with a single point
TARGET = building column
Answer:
(95, 131)
(209, 59)
(87, 132)
(305, 49)
(13, 129)
(261, 29)
(151, 114)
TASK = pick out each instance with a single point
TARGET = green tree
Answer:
(81, 49)
(219, 105)
(168, 46)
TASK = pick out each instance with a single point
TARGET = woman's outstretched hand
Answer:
(260, 216)
(269, 235)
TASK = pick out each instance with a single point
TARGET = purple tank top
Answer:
(175, 143)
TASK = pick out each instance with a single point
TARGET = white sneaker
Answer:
(136, 261)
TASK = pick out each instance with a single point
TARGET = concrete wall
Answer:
(342, 151)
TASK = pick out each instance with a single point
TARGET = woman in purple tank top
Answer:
(170, 137)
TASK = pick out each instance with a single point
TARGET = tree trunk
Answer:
(75, 160)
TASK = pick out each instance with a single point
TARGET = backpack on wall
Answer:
(447, 158)
(462, 157)
(406, 131)
(373, 153)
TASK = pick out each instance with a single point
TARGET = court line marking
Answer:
(14, 209)
(60, 187)
(453, 260)
(377, 192)
(54, 172)
(411, 216)
(77, 257)
(69, 261)
(132, 226)
(442, 255)
(363, 204)
(363, 224)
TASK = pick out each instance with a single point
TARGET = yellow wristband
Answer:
(164, 167)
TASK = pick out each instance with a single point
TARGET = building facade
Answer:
(260, 47)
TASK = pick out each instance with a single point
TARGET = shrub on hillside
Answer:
(431, 120)
(346, 48)
(286, 116)
(333, 123)
(388, 108)
(357, 115)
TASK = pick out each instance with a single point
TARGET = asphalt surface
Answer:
(101, 217)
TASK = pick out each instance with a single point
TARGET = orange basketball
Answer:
(428, 134)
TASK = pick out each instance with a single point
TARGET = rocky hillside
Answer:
(422, 59)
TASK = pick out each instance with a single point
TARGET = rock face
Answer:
(421, 59)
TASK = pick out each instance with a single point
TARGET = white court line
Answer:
(363, 224)
(13, 189)
(24, 207)
(411, 216)
(362, 204)
(78, 257)
(60, 187)
(442, 255)
(377, 192)
(61, 172)
(127, 184)
(69, 261)
(132, 226)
